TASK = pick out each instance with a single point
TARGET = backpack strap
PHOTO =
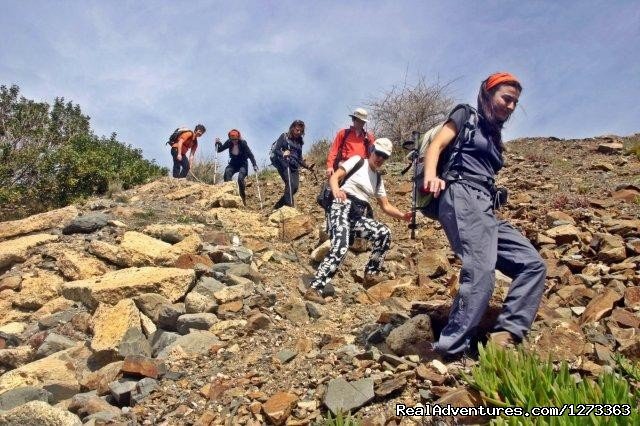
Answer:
(464, 136)
(355, 168)
(341, 148)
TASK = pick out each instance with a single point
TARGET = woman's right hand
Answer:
(433, 185)
(339, 195)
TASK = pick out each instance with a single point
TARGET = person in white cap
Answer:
(349, 142)
(350, 213)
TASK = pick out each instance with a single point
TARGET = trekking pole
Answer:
(414, 135)
(258, 186)
(215, 160)
(289, 181)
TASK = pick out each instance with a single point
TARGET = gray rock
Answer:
(411, 337)
(196, 342)
(160, 339)
(201, 321)
(286, 355)
(143, 388)
(150, 304)
(134, 342)
(294, 312)
(343, 396)
(168, 316)
(52, 344)
(121, 391)
(18, 396)
(99, 418)
(313, 310)
(54, 320)
(86, 224)
(61, 391)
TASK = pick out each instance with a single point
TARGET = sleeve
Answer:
(350, 163)
(250, 154)
(224, 146)
(459, 117)
(333, 151)
(277, 148)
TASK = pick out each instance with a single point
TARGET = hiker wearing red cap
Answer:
(349, 142)
(182, 141)
(466, 196)
(239, 154)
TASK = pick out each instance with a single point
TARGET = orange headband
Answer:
(234, 134)
(499, 78)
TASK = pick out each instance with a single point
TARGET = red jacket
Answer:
(353, 145)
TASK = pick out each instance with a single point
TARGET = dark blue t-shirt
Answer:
(479, 155)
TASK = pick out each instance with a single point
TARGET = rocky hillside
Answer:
(172, 304)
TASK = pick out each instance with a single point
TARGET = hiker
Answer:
(350, 213)
(349, 142)
(466, 197)
(181, 141)
(239, 153)
(286, 157)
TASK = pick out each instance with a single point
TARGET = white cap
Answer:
(383, 145)
(360, 114)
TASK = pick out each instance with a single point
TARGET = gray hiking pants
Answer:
(484, 244)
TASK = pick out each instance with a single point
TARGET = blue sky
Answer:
(142, 68)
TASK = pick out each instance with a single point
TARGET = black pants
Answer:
(291, 176)
(180, 167)
(241, 169)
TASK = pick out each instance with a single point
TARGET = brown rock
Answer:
(611, 248)
(10, 282)
(143, 366)
(611, 148)
(632, 298)
(258, 322)
(230, 307)
(600, 306)
(628, 195)
(78, 266)
(37, 288)
(391, 386)
(563, 234)
(15, 251)
(111, 324)
(624, 318)
(432, 264)
(38, 222)
(99, 380)
(279, 407)
(189, 261)
(463, 397)
(171, 283)
(384, 290)
(296, 227)
(564, 341)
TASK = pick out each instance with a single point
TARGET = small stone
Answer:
(286, 355)
(279, 406)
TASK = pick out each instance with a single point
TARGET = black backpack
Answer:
(176, 134)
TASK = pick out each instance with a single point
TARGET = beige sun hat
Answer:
(383, 145)
(360, 114)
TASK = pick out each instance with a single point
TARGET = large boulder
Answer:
(111, 324)
(38, 288)
(112, 287)
(36, 223)
(15, 251)
(39, 413)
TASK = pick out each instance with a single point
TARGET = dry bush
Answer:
(408, 107)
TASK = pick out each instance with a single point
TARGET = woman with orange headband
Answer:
(465, 196)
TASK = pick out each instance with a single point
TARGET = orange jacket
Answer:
(189, 142)
(353, 145)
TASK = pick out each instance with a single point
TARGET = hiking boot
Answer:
(503, 339)
(313, 295)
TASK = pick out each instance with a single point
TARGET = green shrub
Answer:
(49, 157)
(520, 378)
(318, 153)
(339, 420)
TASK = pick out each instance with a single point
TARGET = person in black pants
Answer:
(239, 153)
(286, 157)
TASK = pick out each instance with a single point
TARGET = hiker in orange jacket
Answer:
(349, 142)
(187, 141)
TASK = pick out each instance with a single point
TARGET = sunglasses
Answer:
(382, 155)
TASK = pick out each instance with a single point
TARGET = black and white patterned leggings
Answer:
(339, 228)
